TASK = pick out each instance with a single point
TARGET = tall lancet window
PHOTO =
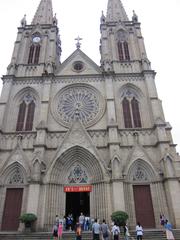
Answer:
(31, 54)
(135, 112)
(120, 51)
(131, 113)
(34, 53)
(127, 113)
(26, 114)
(122, 45)
(21, 116)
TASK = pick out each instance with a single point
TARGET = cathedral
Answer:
(80, 137)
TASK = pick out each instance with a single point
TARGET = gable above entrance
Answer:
(77, 148)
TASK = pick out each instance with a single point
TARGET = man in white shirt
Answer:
(116, 231)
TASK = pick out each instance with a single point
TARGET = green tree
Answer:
(119, 217)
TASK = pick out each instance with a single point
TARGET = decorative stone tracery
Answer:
(80, 99)
(16, 177)
(140, 175)
(78, 175)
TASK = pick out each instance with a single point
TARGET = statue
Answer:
(107, 65)
(23, 21)
(55, 21)
(134, 17)
(103, 18)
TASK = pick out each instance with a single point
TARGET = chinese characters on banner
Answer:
(87, 188)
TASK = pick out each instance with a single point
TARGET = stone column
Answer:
(118, 196)
(6, 90)
(33, 198)
(172, 188)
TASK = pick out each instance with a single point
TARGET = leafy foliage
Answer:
(28, 218)
(119, 218)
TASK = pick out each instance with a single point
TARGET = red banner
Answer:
(87, 188)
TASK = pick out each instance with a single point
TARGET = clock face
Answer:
(36, 39)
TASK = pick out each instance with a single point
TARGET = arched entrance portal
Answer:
(140, 177)
(77, 183)
(78, 191)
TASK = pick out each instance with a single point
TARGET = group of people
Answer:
(85, 223)
(167, 226)
(103, 229)
(67, 224)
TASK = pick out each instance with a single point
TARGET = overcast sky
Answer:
(159, 19)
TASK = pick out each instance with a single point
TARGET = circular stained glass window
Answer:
(78, 100)
(78, 66)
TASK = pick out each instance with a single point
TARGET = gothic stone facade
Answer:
(79, 124)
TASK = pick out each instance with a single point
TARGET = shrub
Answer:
(119, 218)
(28, 218)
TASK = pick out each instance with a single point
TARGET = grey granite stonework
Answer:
(78, 124)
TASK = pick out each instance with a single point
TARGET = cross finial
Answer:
(78, 44)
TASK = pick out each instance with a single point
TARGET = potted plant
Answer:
(28, 219)
(120, 218)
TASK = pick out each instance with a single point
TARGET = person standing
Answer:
(96, 230)
(78, 231)
(64, 223)
(115, 231)
(126, 232)
(81, 220)
(86, 223)
(105, 230)
(60, 229)
(55, 231)
(57, 220)
(69, 222)
(139, 231)
(162, 219)
(168, 228)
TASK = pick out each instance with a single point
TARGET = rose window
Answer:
(78, 101)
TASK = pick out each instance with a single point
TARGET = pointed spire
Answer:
(116, 11)
(44, 13)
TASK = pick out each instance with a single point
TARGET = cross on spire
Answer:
(78, 44)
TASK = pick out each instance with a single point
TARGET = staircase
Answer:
(154, 234)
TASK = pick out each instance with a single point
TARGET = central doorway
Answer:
(77, 202)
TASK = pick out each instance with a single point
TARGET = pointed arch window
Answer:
(120, 51)
(37, 52)
(135, 112)
(127, 113)
(131, 113)
(26, 115)
(123, 51)
(126, 51)
(30, 116)
(21, 116)
(34, 54)
(122, 44)
(31, 53)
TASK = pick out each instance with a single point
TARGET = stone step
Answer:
(148, 235)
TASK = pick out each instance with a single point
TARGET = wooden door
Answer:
(143, 206)
(12, 209)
